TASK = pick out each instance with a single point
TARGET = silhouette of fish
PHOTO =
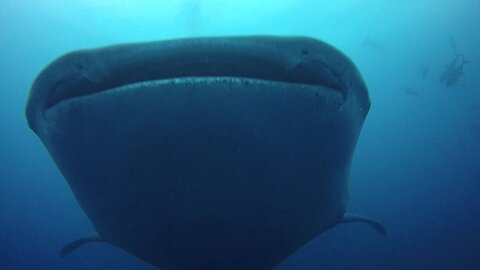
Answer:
(453, 42)
(410, 91)
(423, 70)
(453, 71)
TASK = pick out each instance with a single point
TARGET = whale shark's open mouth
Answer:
(89, 72)
(201, 65)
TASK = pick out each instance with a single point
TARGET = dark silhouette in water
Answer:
(410, 91)
(423, 70)
(453, 42)
(449, 67)
(453, 71)
(373, 45)
(205, 153)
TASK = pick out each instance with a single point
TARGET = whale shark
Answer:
(204, 153)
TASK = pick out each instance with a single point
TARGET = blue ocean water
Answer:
(416, 167)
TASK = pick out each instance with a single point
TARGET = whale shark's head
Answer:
(264, 59)
(204, 152)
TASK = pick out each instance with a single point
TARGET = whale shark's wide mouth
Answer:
(83, 83)
(299, 61)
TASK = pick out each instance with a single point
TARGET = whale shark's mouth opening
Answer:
(83, 80)
(291, 62)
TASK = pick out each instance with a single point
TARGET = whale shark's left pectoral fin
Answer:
(68, 248)
(351, 217)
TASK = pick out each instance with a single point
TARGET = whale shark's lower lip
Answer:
(199, 82)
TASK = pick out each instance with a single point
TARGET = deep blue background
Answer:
(417, 164)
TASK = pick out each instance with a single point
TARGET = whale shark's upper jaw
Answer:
(302, 61)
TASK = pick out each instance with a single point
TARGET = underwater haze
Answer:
(416, 167)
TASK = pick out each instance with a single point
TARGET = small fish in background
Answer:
(423, 70)
(449, 67)
(453, 71)
(410, 91)
(453, 42)
(373, 45)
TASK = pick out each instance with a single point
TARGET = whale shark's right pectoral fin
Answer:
(351, 217)
(68, 248)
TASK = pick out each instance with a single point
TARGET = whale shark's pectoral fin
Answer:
(68, 248)
(351, 217)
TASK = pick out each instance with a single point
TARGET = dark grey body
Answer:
(213, 153)
(423, 70)
(453, 71)
(448, 69)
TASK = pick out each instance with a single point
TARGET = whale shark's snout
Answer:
(204, 153)
(281, 60)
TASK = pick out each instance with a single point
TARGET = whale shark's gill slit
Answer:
(80, 84)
